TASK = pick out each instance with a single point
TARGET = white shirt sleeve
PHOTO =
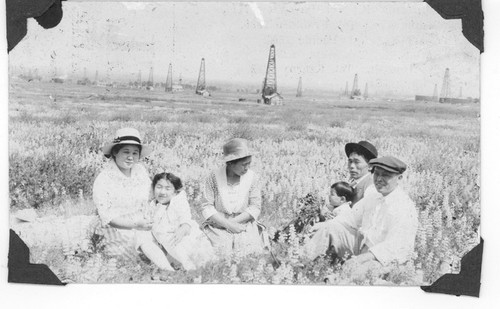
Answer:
(183, 211)
(102, 197)
(400, 239)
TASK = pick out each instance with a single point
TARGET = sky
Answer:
(403, 48)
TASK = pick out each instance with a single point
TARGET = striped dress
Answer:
(230, 201)
(116, 195)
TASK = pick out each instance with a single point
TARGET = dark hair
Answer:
(342, 188)
(237, 160)
(176, 181)
(117, 148)
(367, 156)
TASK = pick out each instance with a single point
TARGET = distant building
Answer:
(177, 88)
(426, 98)
(458, 100)
(273, 99)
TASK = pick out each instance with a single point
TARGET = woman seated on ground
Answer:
(174, 232)
(231, 203)
(120, 191)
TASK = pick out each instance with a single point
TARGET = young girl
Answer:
(340, 198)
(174, 230)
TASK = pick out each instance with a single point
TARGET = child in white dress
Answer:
(174, 230)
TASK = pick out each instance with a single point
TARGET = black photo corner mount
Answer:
(471, 14)
(48, 14)
(467, 282)
(20, 268)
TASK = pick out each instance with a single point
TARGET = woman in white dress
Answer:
(120, 192)
(174, 230)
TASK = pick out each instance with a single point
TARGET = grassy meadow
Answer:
(55, 131)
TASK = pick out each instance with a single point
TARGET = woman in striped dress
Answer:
(231, 203)
(121, 192)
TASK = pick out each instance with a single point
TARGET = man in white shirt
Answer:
(381, 227)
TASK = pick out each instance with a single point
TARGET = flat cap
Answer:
(389, 163)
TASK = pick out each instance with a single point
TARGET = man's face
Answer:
(385, 182)
(357, 165)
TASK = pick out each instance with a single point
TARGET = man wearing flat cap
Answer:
(358, 156)
(379, 229)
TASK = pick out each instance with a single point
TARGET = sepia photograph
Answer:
(288, 143)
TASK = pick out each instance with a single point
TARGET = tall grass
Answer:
(300, 149)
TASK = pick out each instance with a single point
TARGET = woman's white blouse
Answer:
(116, 195)
(218, 196)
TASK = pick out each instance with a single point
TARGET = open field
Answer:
(55, 131)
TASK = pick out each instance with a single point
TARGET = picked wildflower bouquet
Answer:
(308, 213)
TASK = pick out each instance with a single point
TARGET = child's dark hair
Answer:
(176, 181)
(342, 188)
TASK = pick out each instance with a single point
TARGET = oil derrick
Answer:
(150, 78)
(96, 77)
(200, 86)
(270, 83)
(139, 78)
(355, 91)
(299, 88)
(168, 84)
(346, 91)
(84, 80)
(435, 94)
(365, 95)
(270, 90)
(445, 90)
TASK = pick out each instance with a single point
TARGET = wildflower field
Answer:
(55, 131)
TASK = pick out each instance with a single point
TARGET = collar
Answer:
(394, 196)
(116, 170)
(356, 182)
(346, 204)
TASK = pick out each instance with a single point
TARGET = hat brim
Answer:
(386, 167)
(236, 157)
(355, 147)
(146, 150)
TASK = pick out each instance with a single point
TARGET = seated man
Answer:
(358, 156)
(381, 227)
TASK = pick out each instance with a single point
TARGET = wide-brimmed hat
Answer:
(363, 148)
(127, 136)
(236, 148)
(389, 163)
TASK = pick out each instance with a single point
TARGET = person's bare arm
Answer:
(230, 225)
(242, 218)
(128, 222)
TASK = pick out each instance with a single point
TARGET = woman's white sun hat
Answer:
(127, 136)
(236, 148)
